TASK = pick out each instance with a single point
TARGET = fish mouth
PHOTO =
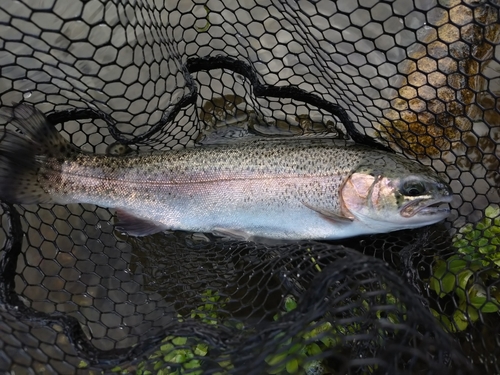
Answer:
(424, 207)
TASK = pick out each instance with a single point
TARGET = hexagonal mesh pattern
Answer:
(420, 78)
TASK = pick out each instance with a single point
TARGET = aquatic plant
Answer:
(470, 276)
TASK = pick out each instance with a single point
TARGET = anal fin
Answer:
(137, 226)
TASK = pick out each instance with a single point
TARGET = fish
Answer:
(277, 189)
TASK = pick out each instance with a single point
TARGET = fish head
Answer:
(391, 192)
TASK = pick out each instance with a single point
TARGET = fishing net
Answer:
(421, 78)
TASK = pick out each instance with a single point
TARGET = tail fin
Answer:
(23, 155)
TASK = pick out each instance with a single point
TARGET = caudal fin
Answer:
(25, 155)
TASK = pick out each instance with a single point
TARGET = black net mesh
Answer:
(421, 78)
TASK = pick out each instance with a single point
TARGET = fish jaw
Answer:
(435, 209)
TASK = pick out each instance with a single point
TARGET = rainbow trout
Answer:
(291, 190)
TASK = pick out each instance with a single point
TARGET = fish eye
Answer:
(413, 188)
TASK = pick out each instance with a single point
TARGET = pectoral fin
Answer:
(335, 217)
(136, 226)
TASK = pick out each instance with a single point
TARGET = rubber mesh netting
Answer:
(421, 78)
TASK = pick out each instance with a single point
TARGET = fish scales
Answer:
(261, 179)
